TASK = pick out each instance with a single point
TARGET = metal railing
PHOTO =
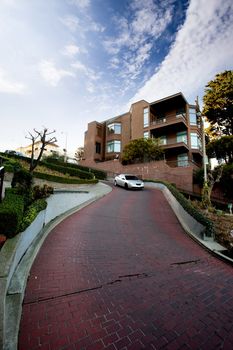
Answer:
(173, 141)
(169, 119)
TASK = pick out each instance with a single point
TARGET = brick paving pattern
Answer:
(122, 274)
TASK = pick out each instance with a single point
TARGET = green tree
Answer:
(142, 150)
(221, 149)
(218, 102)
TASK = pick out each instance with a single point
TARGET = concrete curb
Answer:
(191, 226)
(12, 287)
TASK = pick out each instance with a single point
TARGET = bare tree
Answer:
(45, 139)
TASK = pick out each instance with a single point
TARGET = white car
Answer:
(128, 181)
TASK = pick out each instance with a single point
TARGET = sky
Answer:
(65, 63)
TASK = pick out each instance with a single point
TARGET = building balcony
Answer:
(168, 121)
(174, 143)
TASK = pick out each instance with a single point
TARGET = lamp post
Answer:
(65, 149)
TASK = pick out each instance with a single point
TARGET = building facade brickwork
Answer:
(172, 120)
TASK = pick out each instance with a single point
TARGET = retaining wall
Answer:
(159, 170)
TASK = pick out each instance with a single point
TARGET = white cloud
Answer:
(82, 25)
(51, 74)
(114, 62)
(202, 48)
(90, 87)
(71, 22)
(82, 4)
(71, 50)
(10, 86)
(94, 26)
(90, 73)
(79, 66)
(137, 35)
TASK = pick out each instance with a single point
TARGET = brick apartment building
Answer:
(170, 119)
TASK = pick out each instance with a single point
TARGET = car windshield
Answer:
(131, 177)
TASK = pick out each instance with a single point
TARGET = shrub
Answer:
(32, 212)
(11, 165)
(11, 214)
(22, 180)
(185, 203)
(42, 191)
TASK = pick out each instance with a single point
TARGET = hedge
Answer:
(99, 174)
(64, 180)
(68, 170)
(13, 218)
(11, 214)
(185, 203)
(32, 212)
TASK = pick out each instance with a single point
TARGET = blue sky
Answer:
(65, 63)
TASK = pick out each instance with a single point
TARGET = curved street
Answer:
(122, 274)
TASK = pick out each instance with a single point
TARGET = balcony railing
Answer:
(168, 120)
(170, 142)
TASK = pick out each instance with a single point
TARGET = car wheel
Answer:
(126, 186)
(115, 183)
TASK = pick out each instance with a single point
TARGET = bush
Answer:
(22, 180)
(209, 231)
(42, 191)
(10, 165)
(32, 212)
(11, 214)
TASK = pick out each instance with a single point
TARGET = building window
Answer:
(163, 140)
(181, 137)
(97, 147)
(113, 146)
(182, 159)
(195, 140)
(146, 135)
(114, 128)
(146, 117)
(192, 116)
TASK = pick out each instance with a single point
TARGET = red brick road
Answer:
(122, 274)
